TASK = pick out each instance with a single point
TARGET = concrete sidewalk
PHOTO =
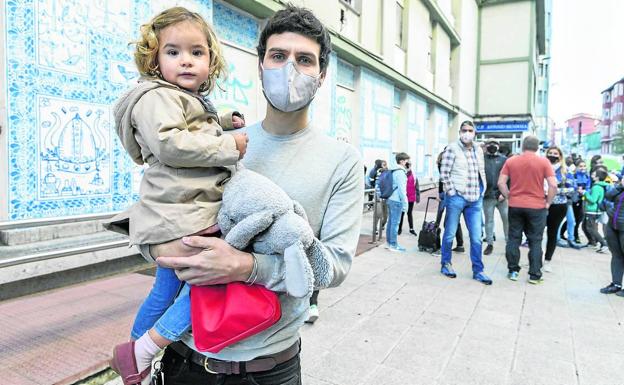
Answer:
(397, 320)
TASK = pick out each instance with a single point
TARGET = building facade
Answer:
(512, 73)
(402, 76)
(612, 122)
(577, 129)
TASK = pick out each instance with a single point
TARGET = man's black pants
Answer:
(178, 370)
(532, 223)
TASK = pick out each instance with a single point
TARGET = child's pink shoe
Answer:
(124, 364)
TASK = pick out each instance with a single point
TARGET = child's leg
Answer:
(176, 320)
(170, 327)
(163, 293)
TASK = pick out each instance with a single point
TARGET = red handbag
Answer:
(224, 314)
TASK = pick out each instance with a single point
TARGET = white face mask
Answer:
(287, 89)
(467, 137)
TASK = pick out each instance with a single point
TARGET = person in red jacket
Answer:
(413, 195)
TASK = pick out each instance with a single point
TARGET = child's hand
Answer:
(241, 144)
(237, 121)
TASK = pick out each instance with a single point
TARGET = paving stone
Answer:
(391, 376)
(542, 369)
(598, 367)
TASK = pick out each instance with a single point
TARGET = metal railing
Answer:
(377, 205)
(20, 224)
(62, 253)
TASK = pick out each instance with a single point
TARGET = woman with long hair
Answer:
(558, 208)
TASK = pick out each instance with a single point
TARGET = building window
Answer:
(541, 69)
(397, 97)
(346, 74)
(399, 26)
(354, 5)
(540, 97)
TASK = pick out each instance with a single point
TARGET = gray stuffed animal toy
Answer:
(257, 213)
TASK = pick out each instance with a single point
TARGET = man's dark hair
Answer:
(301, 21)
(601, 174)
(530, 143)
(467, 123)
(401, 156)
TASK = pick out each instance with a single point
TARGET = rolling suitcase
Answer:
(429, 236)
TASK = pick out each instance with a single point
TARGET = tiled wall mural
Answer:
(67, 61)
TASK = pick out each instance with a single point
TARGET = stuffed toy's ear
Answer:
(299, 210)
(225, 222)
(298, 275)
(244, 231)
(323, 272)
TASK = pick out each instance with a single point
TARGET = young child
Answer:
(165, 122)
(593, 212)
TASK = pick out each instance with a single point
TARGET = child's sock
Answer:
(145, 349)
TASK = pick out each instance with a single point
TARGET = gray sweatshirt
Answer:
(324, 175)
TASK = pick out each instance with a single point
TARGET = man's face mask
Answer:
(287, 89)
(492, 148)
(467, 137)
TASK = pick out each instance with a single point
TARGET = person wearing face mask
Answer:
(413, 196)
(583, 183)
(492, 198)
(462, 172)
(293, 51)
(558, 209)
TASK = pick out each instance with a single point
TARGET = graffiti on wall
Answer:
(344, 119)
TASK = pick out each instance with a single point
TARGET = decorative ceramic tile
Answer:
(74, 148)
(235, 27)
(66, 63)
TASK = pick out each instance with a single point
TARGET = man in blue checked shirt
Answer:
(462, 172)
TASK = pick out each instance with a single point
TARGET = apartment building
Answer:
(612, 122)
(403, 75)
(512, 73)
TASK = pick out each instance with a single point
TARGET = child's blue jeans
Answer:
(169, 315)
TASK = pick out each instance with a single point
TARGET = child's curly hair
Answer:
(146, 53)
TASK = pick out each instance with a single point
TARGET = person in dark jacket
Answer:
(583, 183)
(615, 239)
(492, 197)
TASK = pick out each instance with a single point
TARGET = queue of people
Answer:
(536, 196)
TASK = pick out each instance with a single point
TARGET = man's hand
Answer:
(241, 144)
(501, 198)
(237, 121)
(216, 262)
